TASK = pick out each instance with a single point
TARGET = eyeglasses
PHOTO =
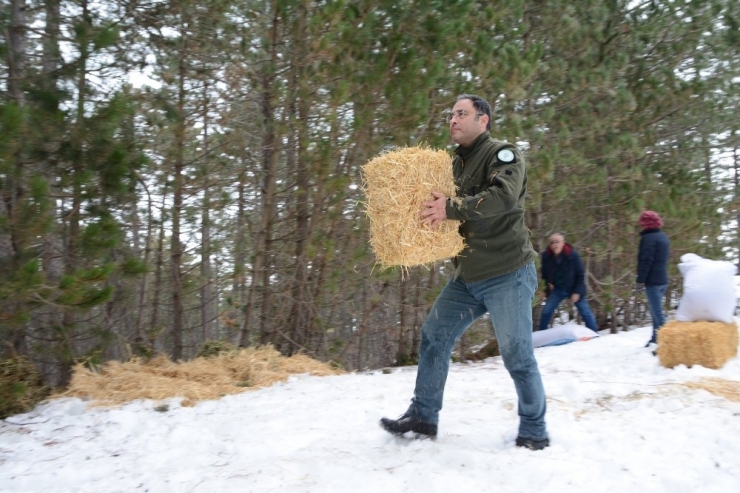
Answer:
(555, 242)
(459, 114)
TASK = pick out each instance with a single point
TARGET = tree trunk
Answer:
(158, 281)
(15, 34)
(300, 318)
(239, 281)
(261, 268)
(176, 330)
(209, 297)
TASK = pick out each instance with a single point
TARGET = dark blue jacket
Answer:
(571, 270)
(652, 258)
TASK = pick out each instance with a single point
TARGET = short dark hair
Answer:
(480, 105)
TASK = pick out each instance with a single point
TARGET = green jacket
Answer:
(491, 182)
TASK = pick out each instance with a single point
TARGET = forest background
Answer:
(179, 172)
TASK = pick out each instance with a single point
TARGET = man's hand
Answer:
(638, 288)
(433, 212)
(575, 297)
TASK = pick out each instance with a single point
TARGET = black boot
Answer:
(532, 444)
(406, 423)
(653, 339)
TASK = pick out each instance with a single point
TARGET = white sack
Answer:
(708, 290)
(562, 334)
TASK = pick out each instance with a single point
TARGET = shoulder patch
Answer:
(505, 156)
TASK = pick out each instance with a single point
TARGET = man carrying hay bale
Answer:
(495, 273)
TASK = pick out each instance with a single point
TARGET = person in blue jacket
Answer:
(652, 267)
(562, 271)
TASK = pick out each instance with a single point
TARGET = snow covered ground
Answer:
(618, 422)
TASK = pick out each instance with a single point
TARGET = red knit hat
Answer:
(650, 220)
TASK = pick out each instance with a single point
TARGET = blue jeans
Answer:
(508, 300)
(556, 297)
(655, 295)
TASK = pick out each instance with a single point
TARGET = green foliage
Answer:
(66, 282)
(21, 386)
(95, 274)
(11, 128)
(17, 286)
(94, 358)
(78, 291)
(133, 267)
(84, 297)
(210, 349)
(101, 234)
(106, 37)
(335, 347)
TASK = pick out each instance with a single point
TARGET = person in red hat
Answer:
(652, 268)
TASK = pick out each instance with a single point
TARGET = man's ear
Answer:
(486, 121)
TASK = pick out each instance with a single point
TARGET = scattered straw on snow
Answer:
(395, 185)
(729, 389)
(200, 379)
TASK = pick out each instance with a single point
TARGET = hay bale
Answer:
(395, 185)
(709, 344)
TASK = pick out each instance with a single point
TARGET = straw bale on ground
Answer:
(196, 380)
(395, 185)
(709, 344)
